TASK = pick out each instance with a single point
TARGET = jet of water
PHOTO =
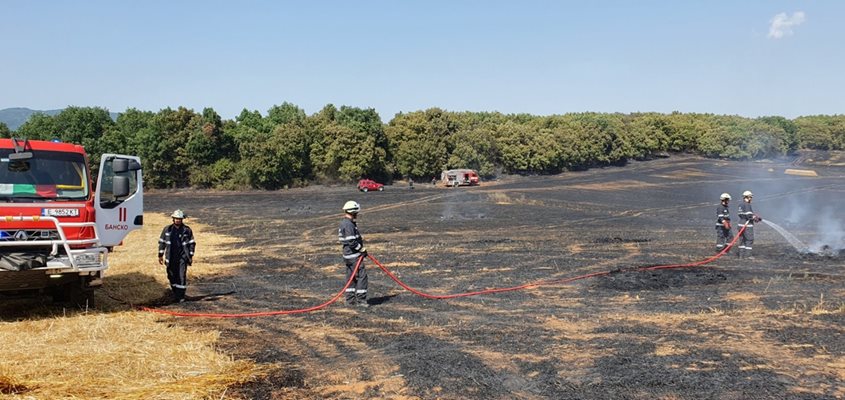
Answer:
(797, 244)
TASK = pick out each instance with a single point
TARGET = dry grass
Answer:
(123, 354)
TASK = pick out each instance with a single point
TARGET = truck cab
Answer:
(56, 227)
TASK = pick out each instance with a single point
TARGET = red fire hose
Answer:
(265, 313)
(447, 296)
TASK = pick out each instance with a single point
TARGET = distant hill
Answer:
(15, 117)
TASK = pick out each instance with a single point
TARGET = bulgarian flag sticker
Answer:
(12, 189)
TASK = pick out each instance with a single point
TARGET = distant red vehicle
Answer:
(365, 185)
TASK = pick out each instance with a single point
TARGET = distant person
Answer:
(176, 247)
(353, 249)
(724, 234)
(411, 183)
(434, 181)
(748, 218)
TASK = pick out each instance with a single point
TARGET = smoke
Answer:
(815, 222)
(782, 24)
(830, 235)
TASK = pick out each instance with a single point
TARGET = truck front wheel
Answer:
(76, 294)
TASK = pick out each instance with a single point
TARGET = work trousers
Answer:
(357, 290)
(746, 241)
(723, 238)
(177, 274)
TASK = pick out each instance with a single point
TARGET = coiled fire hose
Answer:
(392, 276)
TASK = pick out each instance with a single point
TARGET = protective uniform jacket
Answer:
(351, 239)
(723, 213)
(177, 241)
(746, 214)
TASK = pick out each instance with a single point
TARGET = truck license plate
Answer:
(60, 212)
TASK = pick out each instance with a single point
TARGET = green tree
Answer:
(475, 149)
(85, 126)
(39, 126)
(419, 141)
(5, 132)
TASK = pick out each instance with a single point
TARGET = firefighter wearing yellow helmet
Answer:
(747, 218)
(724, 235)
(353, 249)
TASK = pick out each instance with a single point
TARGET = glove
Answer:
(726, 224)
(757, 218)
(363, 251)
(161, 260)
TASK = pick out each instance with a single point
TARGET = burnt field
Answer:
(771, 327)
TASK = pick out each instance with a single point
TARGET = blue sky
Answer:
(750, 58)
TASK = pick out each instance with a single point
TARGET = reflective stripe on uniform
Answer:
(351, 256)
(361, 291)
(178, 286)
(350, 290)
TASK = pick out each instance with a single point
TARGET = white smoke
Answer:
(830, 235)
(821, 227)
(782, 24)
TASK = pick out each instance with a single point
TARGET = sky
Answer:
(749, 58)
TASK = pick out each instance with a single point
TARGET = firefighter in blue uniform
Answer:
(353, 248)
(724, 235)
(747, 218)
(176, 247)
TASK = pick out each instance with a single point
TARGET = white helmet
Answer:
(725, 196)
(747, 193)
(351, 207)
(178, 214)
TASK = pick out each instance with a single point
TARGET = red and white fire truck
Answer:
(56, 229)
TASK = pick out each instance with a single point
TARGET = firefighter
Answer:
(353, 249)
(748, 218)
(724, 235)
(176, 248)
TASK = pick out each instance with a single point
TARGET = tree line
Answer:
(286, 147)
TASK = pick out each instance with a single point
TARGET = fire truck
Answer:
(459, 177)
(56, 227)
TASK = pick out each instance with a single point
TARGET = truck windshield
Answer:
(47, 176)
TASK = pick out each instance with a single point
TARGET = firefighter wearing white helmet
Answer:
(176, 247)
(748, 218)
(353, 250)
(724, 235)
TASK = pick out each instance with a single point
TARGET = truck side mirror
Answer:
(120, 165)
(120, 185)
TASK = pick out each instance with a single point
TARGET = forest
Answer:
(287, 148)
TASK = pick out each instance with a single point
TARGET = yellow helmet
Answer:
(725, 196)
(351, 207)
(747, 193)
(178, 214)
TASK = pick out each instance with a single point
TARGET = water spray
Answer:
(797, 244)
